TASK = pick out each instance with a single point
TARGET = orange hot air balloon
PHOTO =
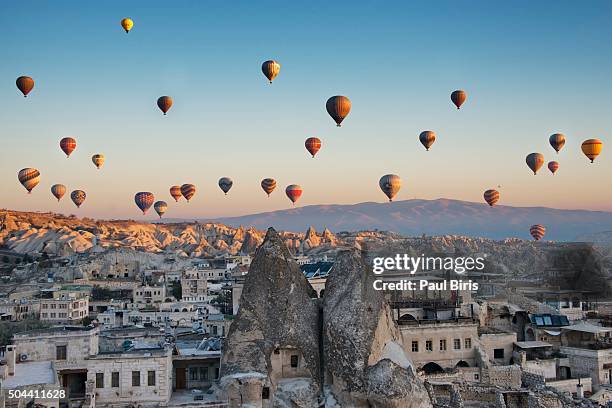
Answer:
(427, 138)
(68, 145)
(591, 148)
(144, 200)
(268, 185)
(553, 166)
(25, 84)
(175, 192)
(338, 108)
(164, 103)
(313, 145)
(78, 197)
(491, 197)
(557, 141)
(58, 191)
(127, 24)
(535, 161)
(294, 192)
(160, 208)
(537, 231)
(458, 97)
(188, 190)
(29, 178)
(390, 184)
(270, 69)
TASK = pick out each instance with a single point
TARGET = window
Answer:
(60, 352)
(115, 379)
(216, 373)
(476, 377)
(457, 344)
(265, 393)
(294, 361)
(498, 353)
(468, 343)
(443, 345)
(99, 380)
(415, 346)
(151, 378)
(135, 378)
(429, 345)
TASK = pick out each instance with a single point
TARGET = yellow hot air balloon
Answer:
(98, 160)
(591, 148)
(127, 24)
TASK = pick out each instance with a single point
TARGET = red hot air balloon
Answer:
(68, 145)
(144, 200)
(175, 192)
(491, 197)
(164, 103)
(537, 231)
(553, 166)
(25, 84)
(458, 97)
(294, 192)
(313, 145)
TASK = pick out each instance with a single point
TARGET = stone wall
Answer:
(532, 379)
(508, 377)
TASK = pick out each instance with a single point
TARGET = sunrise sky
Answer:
(530, 69)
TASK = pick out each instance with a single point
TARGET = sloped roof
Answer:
(587, 328)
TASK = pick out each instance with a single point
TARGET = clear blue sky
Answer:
(530, 69)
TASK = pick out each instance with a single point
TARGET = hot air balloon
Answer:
(58, 190)
(25, 84)
(68, 145)
(225, 183)
(164, 103)
(491, 197)
(293, 191)
(78, 197)
(98, 160)
(427, 138)
(458, 97)
(553, 166)
(144, 200)
(29, 178)
(188, 190)
(313, 145)
(338, 108)
(175, 192)
(591, 148)
(537, 231)
(557, 141)
(535, 161)
(127, 24)
(390, 184)
(160, 208)
(270, 69)
(268, 185)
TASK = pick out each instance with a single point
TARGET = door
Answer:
(180, 379)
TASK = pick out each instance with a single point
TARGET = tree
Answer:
(177, 290)
(7, 329)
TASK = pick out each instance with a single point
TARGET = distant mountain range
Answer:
(436, 217)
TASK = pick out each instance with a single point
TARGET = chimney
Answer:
(579, 390)
(11, 356)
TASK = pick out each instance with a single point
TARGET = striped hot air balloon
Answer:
(294, 192)
(225, 184)
(29, 178)
(537, 231)
(427, 138)
(535, 161)
(338, 108)
(458, 97)
(591, 148)
(78, 197)
(175, 192)
(188, 190)
(491, 197)
(390, 184)
(160, 208)
(270, 69)
(557, 141)
(58, 191)
(313, 145)
(98, 160)
(68, 145)
(144, 200)
(553, 166)
(268, 185)
(164, 103)
(25, 84)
